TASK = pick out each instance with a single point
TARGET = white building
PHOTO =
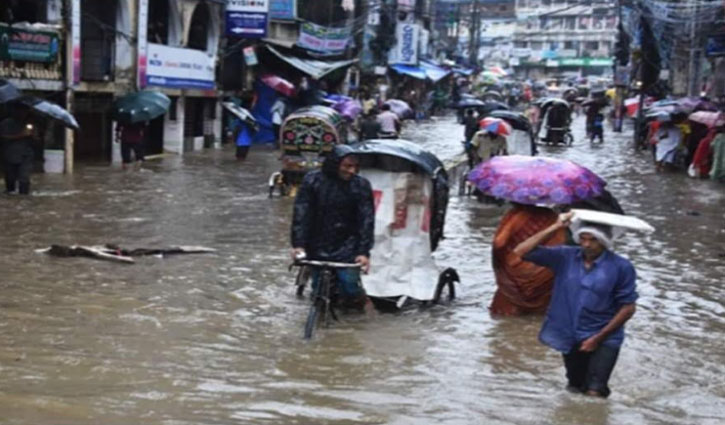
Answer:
(564, 37)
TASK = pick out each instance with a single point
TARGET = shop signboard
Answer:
(406, 49)
(143, 15)
(250, 56)
(179, 68)
(23, 45)
(323, 40)
(585, 62)
(424, 41)
(715, 45)
(75, 36)
(521, 52)
(283, 10)
(247, 18)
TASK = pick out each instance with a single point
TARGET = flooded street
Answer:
(217, 338)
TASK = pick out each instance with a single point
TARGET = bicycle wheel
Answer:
(319, 304)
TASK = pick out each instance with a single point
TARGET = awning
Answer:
(463, 71)
(434, 72)
(409, 70)
(312, 67)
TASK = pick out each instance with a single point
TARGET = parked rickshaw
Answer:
(556, 122)
(306, 136)
(411, 197)
(521, 140)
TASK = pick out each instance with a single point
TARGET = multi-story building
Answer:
(563, 37)
(496, 31)
(111, 48)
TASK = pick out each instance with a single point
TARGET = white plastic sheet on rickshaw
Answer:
(401, 263)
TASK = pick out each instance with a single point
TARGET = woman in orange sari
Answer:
(523, 287)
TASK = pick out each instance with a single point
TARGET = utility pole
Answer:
(72, 31)
(692, 72)
(619, 87)
(474, 29)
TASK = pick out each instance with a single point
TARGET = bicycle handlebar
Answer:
(330, 264)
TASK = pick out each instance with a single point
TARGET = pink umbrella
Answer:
(536, 180)
(280, 84)
(710, 119)
(495, 125)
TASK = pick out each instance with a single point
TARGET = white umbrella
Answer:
(238, 111)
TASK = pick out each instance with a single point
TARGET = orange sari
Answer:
(523, 287)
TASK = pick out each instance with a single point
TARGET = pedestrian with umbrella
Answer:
(133, 112)
(529, 183)
(490, 140)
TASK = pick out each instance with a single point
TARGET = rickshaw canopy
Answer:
(517, 120)
(404, 156)
(312, 129)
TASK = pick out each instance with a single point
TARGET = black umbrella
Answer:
(492, 95)
(8, 91)
(491, 106)
(517, 120)
(469, 103)
(50, 110)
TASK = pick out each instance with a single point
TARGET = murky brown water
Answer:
(216, 339)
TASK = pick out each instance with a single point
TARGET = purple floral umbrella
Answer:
(536, 180)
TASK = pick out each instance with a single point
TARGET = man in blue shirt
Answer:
(594, 295)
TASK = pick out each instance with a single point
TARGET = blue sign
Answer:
(247, 24)
(715, 45)
(282, 9)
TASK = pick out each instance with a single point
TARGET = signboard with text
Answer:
(715, 45)
(179, 68)
(324, 40)
(33, 46)
(284, 10)
(143, 14)
(247, 18)
(406, 49)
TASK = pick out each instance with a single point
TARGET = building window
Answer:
(570, 23)
(158, 22)
(536, 45)
(199, 28)
(569, 45)
(591, 45)
(24, 11)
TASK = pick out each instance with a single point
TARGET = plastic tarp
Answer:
(409, 70)
(312, 67)
(401, 260)
(261, 112)
(463, 71)
(434, 72)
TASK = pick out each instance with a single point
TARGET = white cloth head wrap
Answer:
(601, 232)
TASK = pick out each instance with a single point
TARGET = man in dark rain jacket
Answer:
(334, 219)
(16, 135)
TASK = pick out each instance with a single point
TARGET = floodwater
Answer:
(217, 338)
